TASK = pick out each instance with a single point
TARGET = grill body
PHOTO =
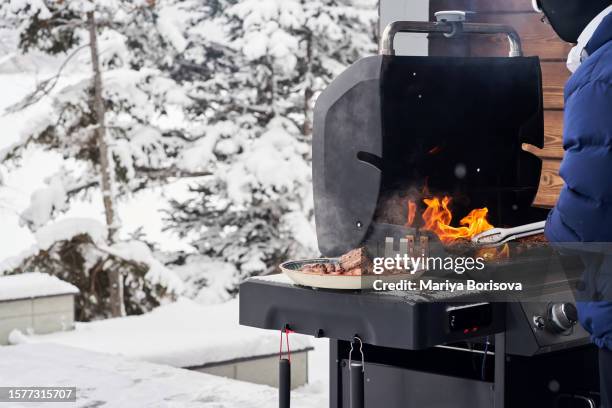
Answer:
(393, 128)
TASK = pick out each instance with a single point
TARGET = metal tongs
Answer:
(499, 236)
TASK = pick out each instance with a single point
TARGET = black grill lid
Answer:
(389, 124)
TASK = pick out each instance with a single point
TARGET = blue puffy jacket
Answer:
(584, 210)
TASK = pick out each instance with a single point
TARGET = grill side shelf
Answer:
(380, 319)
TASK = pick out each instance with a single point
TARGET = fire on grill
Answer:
(437, 218)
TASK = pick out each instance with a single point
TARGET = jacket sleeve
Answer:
(584, 209)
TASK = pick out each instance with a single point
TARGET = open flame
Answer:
(412, 209)
(437, 217)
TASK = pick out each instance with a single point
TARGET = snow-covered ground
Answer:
(318, 365)
(180, 334)
(116, 382)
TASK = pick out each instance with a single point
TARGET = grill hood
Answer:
(393, 124)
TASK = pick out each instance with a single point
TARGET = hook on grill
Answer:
(356, 374)
(356, 338)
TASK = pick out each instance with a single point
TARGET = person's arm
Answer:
(584, 209)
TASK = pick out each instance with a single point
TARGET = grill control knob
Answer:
(563, 316)
(539, 322)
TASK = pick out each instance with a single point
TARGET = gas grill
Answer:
(385, 128)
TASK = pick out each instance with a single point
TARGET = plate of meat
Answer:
(351, 271)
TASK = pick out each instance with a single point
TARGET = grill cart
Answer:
(390, 126)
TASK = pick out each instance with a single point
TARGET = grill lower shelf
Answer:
(395, 387)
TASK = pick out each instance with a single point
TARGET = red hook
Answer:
(280, 350)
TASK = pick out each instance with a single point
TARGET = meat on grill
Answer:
(354, 263)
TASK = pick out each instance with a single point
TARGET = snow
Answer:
(302, 230)
(266, 23)
(113, 48)
(15, 196)
(115, 382)
(136, 251)
(66, 229)
(143, 212)
(169, 24)
(180, 334)
(199, 156)
(157, 273)
(31, 7)
(211, 30)
(282, 169)
(318, 364)
(257, 12)
(45, 203)
(218, 277)
(23, 185)
(31, 285)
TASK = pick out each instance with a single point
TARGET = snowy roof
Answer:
(31, 285)
(180, 334)
(111, 381)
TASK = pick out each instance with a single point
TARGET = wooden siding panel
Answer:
(439, 46)
(537, 38)
(550, 184)
(500, 6)
(554, 77)
(481, 5)
(553, 137)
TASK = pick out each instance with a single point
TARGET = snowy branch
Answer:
(45, 87)
(169, 172)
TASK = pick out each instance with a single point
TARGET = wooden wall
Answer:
(538, 39)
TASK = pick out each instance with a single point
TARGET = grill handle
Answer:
(449, 29)
(284, 383)
(356, 385)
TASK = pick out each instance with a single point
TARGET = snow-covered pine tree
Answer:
(256, 67)
(116, 100)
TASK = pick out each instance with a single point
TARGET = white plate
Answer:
(343, 282)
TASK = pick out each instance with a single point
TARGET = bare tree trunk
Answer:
(114, 276)
(308, 93)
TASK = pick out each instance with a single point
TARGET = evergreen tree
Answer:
(111, 122)
(256, 67)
